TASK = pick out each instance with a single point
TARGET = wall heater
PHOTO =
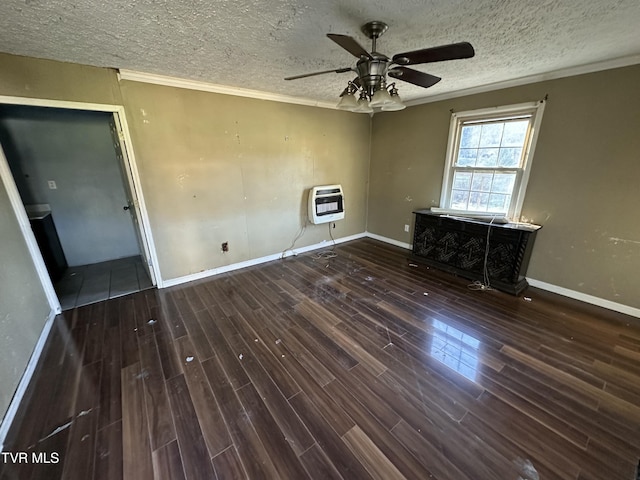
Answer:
(326, 204)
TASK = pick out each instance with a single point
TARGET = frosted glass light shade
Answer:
(347, 102)
(395, 105)
(381, 98)
(363, 106)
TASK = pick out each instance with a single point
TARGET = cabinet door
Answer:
(425, 236)
(447, 246)
(437, 239)
(504, 255)
(472, 248)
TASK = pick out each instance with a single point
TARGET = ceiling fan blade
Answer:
(413, 76)
(453, 51)
(304, 75)
(349, 44)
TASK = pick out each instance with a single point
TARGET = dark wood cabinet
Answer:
(47, 238)
(467, 247)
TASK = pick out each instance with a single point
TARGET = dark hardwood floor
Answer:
(357, 367)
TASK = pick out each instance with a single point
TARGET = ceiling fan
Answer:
(372, 69)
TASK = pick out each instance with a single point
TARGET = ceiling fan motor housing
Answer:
(372, 71)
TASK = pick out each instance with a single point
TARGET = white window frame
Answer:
(535, 109)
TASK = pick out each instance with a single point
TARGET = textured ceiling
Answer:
(255, 44)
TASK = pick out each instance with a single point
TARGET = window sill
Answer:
(479, 217)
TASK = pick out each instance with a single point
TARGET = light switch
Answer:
(52, 185)
(406, 228)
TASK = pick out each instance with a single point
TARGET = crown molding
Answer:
(563, 73)
(166, 81)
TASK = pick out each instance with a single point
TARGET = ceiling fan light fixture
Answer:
(380, 98)
(396, 102)
(347, 102)
(363, 105)
(395, 106)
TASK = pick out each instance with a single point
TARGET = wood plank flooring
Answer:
(357, 367)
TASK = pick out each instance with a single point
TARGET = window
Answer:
(488, 160)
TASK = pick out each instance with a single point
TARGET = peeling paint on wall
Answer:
(616, 240)
(181, 178)
(613, 288)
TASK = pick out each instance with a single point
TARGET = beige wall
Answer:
(217, 168)
(35, 78)
(23, 304)
(584, 186)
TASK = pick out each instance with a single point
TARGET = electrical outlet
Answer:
(225, 247)
(52, 185)
(406, 228)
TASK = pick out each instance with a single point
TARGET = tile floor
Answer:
(88, 284)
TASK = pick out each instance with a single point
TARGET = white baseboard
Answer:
(10, 414)
(617, 307)
(391, 241)
(255, 261)
(583, 297)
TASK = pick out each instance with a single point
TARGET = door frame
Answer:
(133, 185)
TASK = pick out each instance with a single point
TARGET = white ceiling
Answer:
(254, 44)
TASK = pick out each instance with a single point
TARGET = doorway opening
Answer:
(77, 188)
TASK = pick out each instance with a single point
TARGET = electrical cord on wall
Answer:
(485, 284)
(333, 240)
(326, 254)
(293, 243)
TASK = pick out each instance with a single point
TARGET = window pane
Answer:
(462, 180)
(467, 157)
(470, 136)
(488, 157)
(503, 183)
(482, 191)
(498, 203)
(478, 201)
(481, 182)
(491, 135)
(515, 133)
(459, 199)
(510, 157)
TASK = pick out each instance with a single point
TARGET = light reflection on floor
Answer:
(455, 349)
